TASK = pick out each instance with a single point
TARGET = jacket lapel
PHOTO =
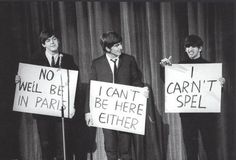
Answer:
(121, 60)
(106, 64)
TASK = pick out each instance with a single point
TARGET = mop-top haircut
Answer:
(193, 40)
(45, 34)
(108, 39)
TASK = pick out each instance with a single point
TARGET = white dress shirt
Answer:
(111, 63)
(49, 57)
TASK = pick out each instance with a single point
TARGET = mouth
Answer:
(190, 53)
(117, 53)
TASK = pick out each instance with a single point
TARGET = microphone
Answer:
(60, 58)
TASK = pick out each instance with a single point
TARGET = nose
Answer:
(52, 41)
(120, 46)
(189, 48)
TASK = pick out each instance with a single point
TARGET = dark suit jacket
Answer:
(127, 73)
(67, 62)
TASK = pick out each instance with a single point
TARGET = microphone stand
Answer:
(63, 133)
(62, 113)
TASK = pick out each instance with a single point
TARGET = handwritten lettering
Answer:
(128, 107)
(46, 74)
(49, 103)
(29, 87)
(118, 120)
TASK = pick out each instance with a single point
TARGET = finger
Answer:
(91, 123)
(163, 60)
(162, 63)
(170, 58)
(88, 122)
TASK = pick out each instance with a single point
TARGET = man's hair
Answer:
(193, 40)
(108, 39)
(45, 34)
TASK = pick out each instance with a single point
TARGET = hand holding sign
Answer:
(118, 107)
(17, 79)
(89, 119)
(45, 90)
(193, 88)
(72, 112)
(222, 81)
(145, 92)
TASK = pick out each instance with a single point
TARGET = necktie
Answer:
(115, 70)
(53, 62)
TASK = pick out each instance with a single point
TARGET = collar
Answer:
(109, 58)
(49, 57)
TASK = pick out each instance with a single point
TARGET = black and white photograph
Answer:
(117, 80)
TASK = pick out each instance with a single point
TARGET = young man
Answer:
(117, 67)
(50, 130)
(195, 123)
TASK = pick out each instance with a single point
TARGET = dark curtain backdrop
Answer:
(150, 31)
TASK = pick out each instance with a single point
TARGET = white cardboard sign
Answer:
(45, 90)
(193, 88)
(118, 107)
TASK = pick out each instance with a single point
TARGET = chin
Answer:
(54, 50)
(119, 54)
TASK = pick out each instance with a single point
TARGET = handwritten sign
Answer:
(118, 107)
(193, 87)
(45, 90)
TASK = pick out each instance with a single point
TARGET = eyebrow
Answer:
(117, 44)
(52, 37)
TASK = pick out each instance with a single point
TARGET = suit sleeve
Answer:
(162, 73)
(92, 76)
(71, 64)
(93, 73)
(136, 75)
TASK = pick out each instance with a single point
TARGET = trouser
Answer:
(206, 125)
(50, 134)
(117, 145)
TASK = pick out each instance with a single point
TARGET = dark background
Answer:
(150, 31)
